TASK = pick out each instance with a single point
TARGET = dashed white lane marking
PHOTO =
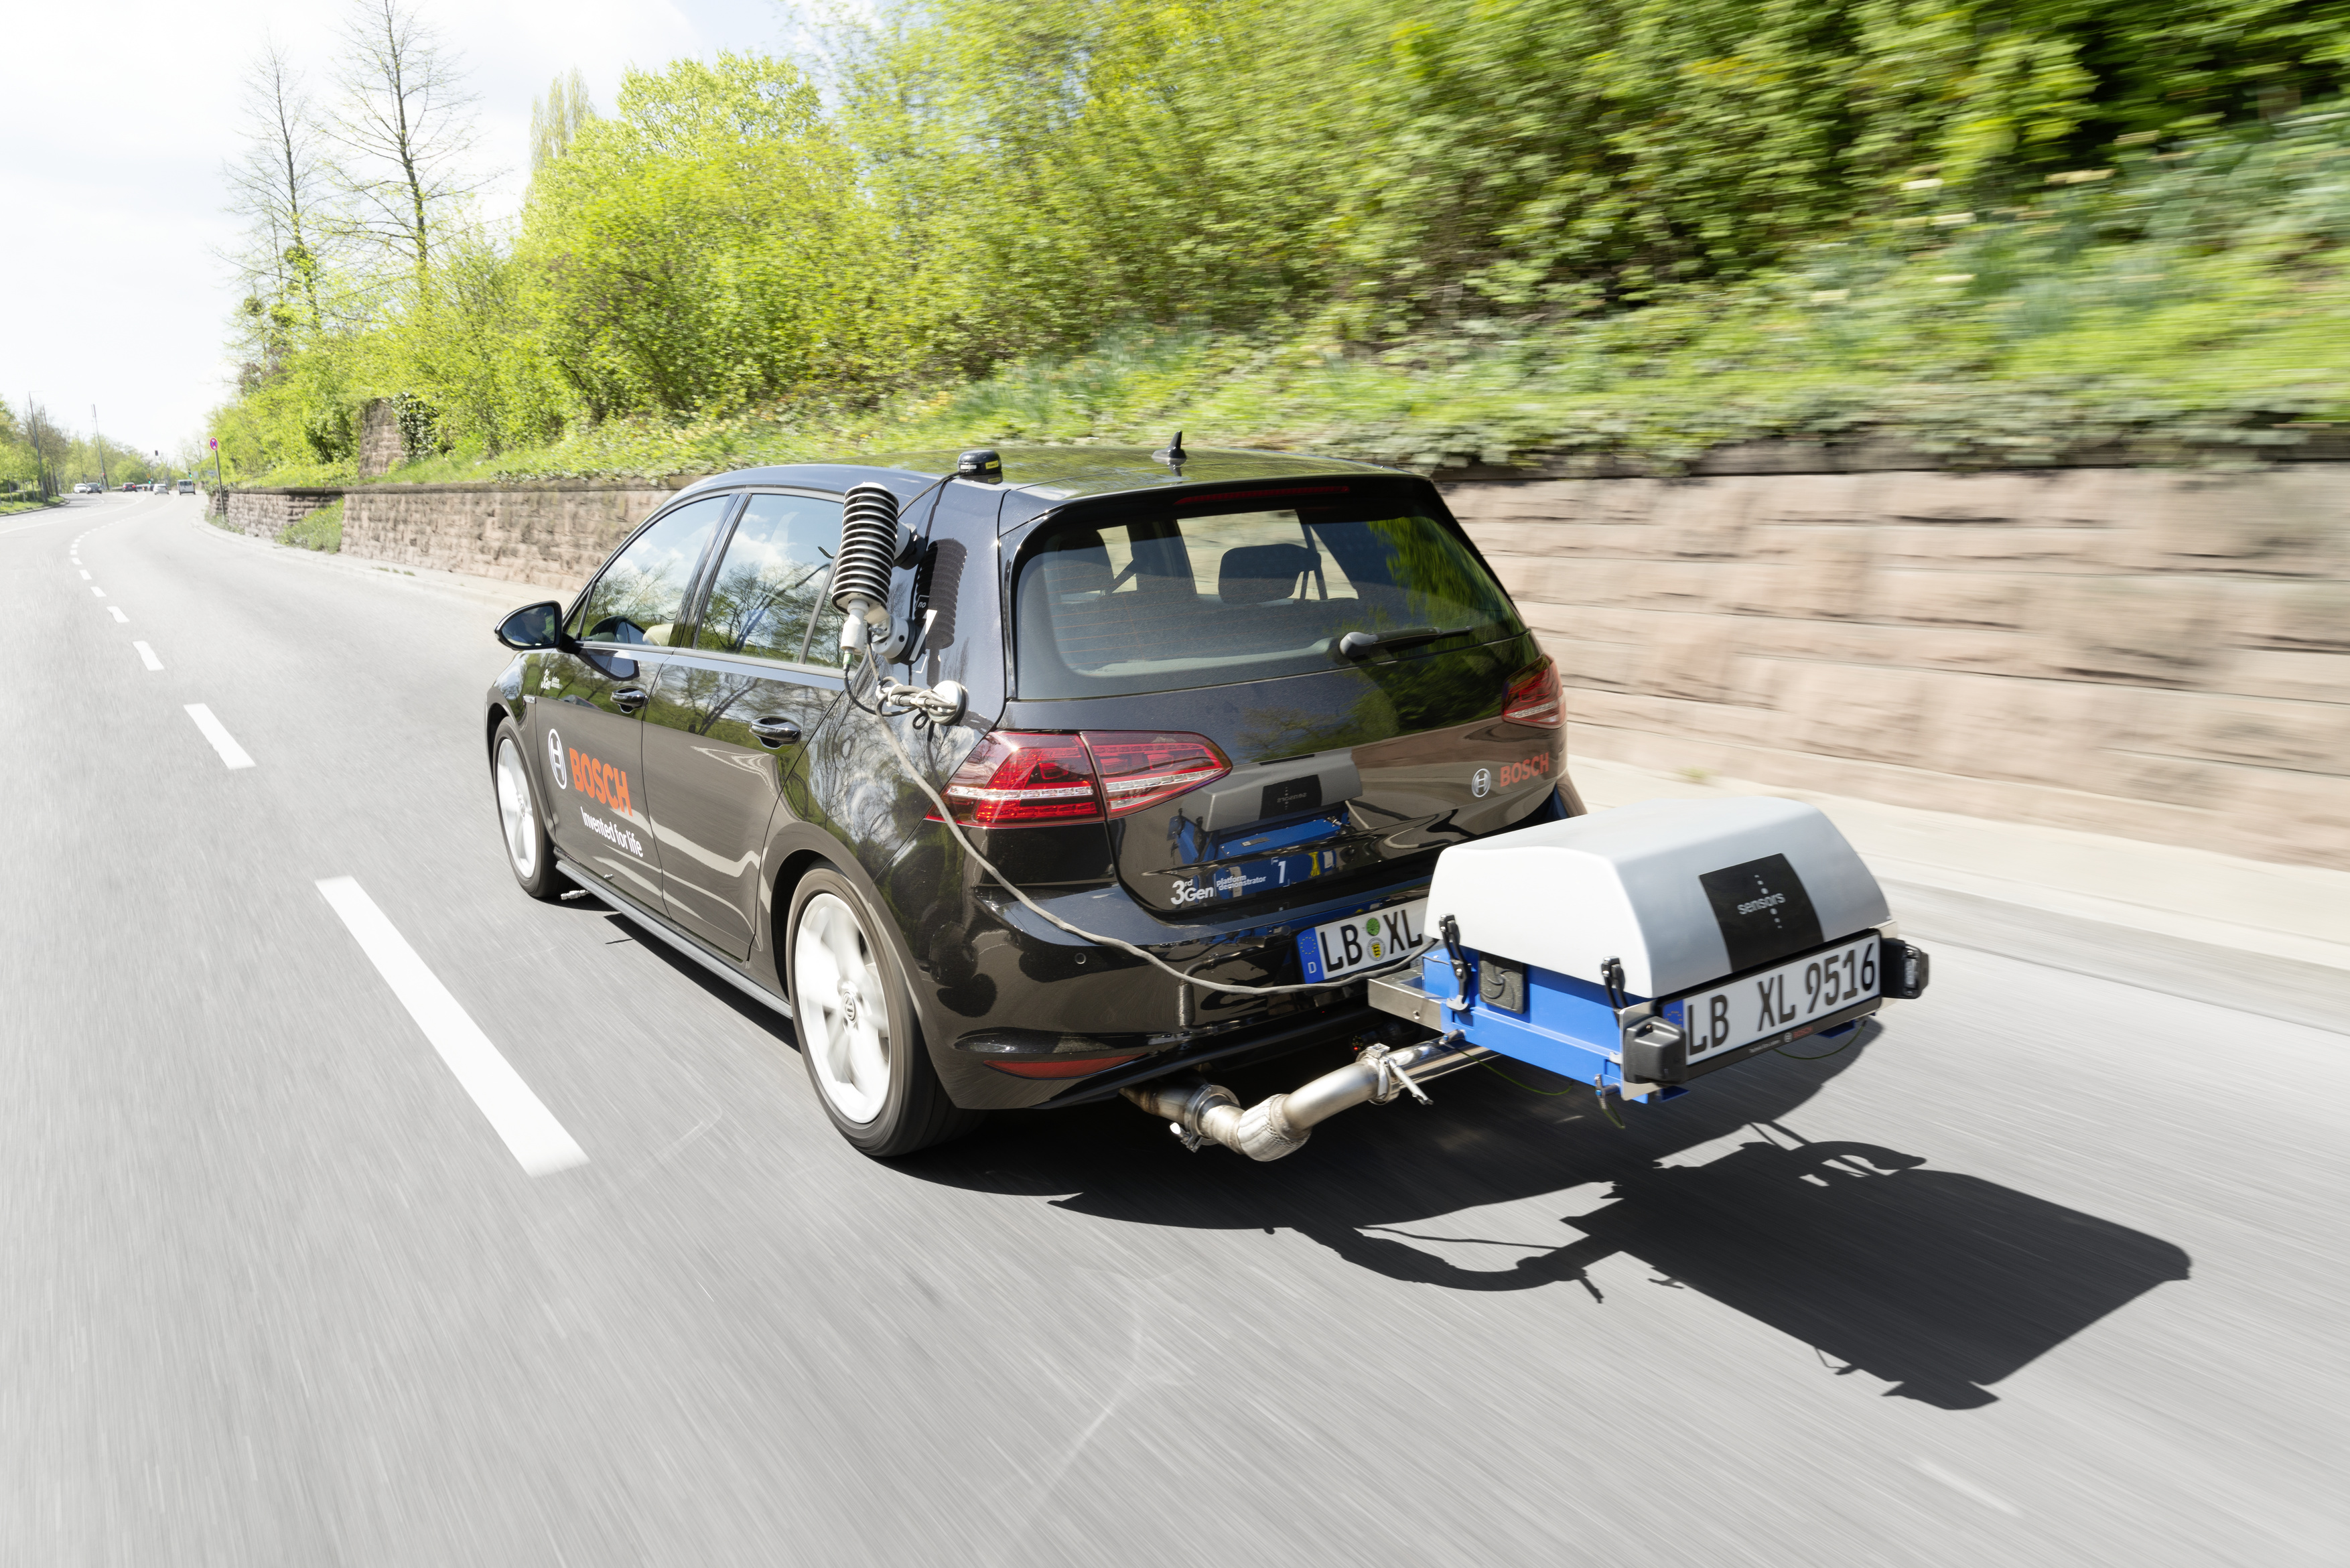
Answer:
(98, 591)
(529, 1129)
(147, 657)
(217, 733)
(116, 609)
(1959, 1483)
(85, 577)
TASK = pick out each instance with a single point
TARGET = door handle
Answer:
(629, 698)
(775, 732)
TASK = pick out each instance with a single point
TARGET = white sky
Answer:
(113, 131)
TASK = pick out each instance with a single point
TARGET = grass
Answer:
(320, 530)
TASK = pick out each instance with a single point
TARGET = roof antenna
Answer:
(1172, 454)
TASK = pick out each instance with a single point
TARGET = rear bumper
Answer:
(1036, 995)
(997, 984)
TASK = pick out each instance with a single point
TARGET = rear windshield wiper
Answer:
(1357, 644)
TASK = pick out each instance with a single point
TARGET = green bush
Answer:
(320, 530)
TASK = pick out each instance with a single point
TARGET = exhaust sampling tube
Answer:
(1279, 1123)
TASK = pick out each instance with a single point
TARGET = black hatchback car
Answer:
(1227, 709)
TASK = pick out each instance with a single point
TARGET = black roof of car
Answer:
(1055, 473)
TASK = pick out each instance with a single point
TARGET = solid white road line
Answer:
(530, 1130)
(147, 657)
(118, 613)
(217, 733)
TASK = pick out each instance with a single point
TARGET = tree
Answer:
(709, 247)
(556, 120)
(18, 465)
(403, 130)
(277, 187)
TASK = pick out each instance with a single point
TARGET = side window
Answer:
(768, 598)
(641, 594)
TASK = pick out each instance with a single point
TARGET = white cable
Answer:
(946, 814)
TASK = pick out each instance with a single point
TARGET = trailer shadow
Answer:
(1939, 1282)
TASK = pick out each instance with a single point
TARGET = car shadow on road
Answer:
(1939, 1282)
(758, 1014)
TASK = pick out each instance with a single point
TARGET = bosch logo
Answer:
(555, 761)
(1519, 772)
(600, 782)
(1480, 782)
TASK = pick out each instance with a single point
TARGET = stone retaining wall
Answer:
(266, 513)
(2155, 654)
(554, 534)
(381, 447)
(2158, 654)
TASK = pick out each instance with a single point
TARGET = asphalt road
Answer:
(2050, 1272)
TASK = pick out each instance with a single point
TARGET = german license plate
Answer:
(1359, 941)
(1744, 1011)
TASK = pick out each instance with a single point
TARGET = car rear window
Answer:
(1170, 601)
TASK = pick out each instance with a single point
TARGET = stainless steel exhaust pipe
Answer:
(1208, 1112)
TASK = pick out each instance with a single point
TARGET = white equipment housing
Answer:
(1681, 892)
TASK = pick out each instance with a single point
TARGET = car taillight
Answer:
(1018, 778)
(1143, 767)
(1027, 778)
(1533, 698)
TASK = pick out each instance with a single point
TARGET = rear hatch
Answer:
(1277, 693)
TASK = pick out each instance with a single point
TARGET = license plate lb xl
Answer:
(1360, 941)
(1776, 1001)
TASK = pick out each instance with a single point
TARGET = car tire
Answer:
(530, 854)
(853, 1018)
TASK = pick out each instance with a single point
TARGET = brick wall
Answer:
(2155, 654)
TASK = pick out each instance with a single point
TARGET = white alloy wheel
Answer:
(516, 814)
(842, 1009)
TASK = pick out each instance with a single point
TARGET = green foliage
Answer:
(555, 120)
(320, 530)
(20, 466)
(1385, 165)
(1620, 229)
(710, 245)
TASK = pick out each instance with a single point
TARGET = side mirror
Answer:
(532, 626)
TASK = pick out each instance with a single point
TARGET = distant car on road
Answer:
(187, 487)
